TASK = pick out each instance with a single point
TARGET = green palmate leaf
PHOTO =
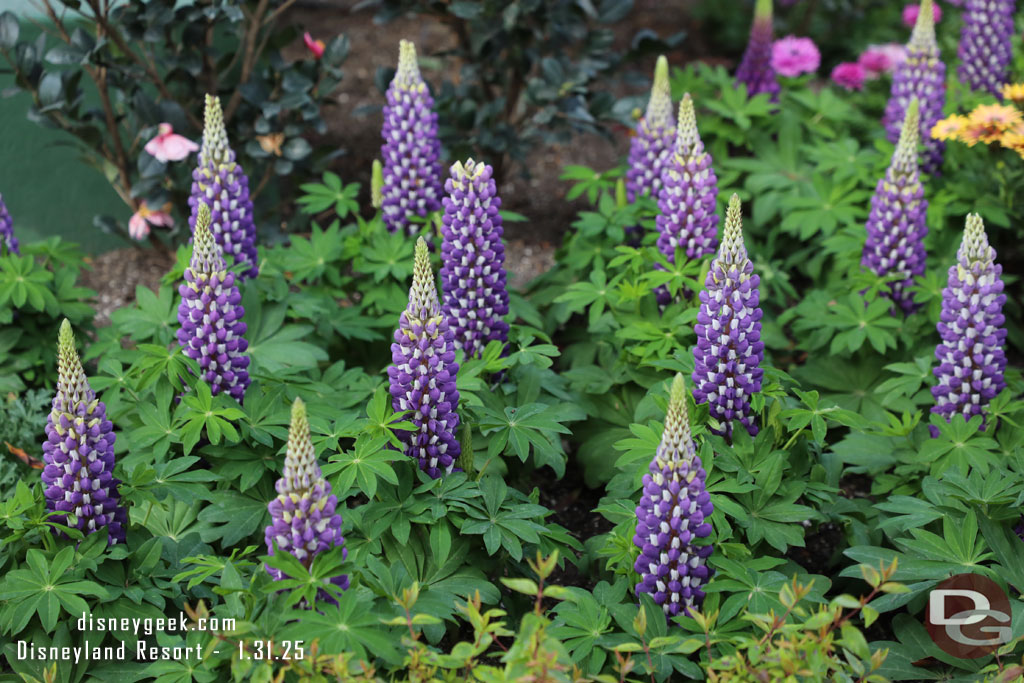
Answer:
(46, 586)
(530, 428)
(234, 516)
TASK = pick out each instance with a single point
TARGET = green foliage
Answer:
(109, 73)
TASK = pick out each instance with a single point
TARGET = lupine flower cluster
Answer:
(7, 237)
(78, 474)
(650, 149)
(475, 298)
(922, 75)
(985, 51)
(687, 218)
(411, 150)
(896, 225)
(671, 517)
(971, 356)
(422, 374)
(210, 314)
(221, 184)
(729, 349)
(304, 521)
(755, 70)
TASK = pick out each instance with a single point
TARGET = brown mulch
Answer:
(115, 275)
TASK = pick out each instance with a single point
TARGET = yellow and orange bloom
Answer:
(992, 120)
(950, 128)
(1014, 92)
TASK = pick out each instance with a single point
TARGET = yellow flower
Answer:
(992, 120)
(950, 128)
(1014, 140)
(1014, 91)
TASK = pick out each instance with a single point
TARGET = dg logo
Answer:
(968, 616)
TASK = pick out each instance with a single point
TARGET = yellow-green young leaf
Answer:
(871, 575)
(556, 592)
(818, 620)
(688, 646)
(893, 587)
(870, 614)
(662, 641)
(640, 622)
(786, 596)
(853, 640)
(527, 586)
(846, 600)
(425, 619)
(629, 647)
(396, 621)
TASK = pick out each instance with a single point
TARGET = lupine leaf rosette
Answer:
(672, 517)
(304, 518)
(210, 315)
(971, 357)
(729, 349)
(896, 225)
(412, 149)
(7, 237)
(78, 454)
(422, 374)
(220, 183)
(473, 278)
(651, 147)
(686, 199)
(985, 49)
(755, 70)
(921, 76)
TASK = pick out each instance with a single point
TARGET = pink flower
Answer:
(880, 59)
(910, 13)
(138, 224)
(849, 75)
(792, 56)
(169, 146)
(314, 46)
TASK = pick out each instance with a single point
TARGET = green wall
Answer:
(44, 183)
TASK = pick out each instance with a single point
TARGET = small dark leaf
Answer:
(297, 149)
(64, 54)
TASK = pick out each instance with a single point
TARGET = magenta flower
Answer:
(169, 146)
(316, 47)
(792, 56)
(849, 75)
(138, 224)
(910, 13)
(880, 59)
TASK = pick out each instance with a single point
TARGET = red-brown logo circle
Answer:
(968, 616)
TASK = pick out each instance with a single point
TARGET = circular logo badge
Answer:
(968, 616)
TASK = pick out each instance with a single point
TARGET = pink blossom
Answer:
(910, 13)
(169, 146)
(315, 46)
(849, 75)
(792, 56)
(880, 59)
(138, 224)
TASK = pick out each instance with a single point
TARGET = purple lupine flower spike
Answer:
(671, 517)
(985, 48)
(78, 453)
(651, 147)
(755, 70)
(210, 314)
(220, 183)
(411, 150)
(304, 521)
(922, 75)
(971, 356)
(422, 374)
(896, 225)
(7, 237)
(729, 349)
(686, 200)
(473, 259)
